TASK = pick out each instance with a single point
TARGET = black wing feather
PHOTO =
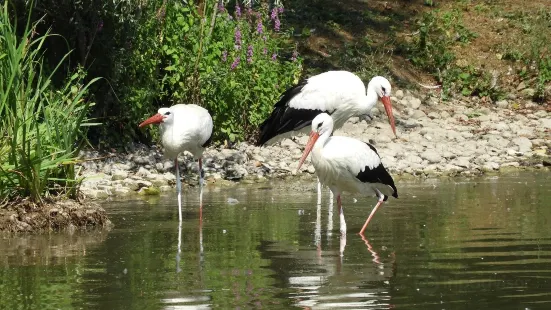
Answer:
(285, 119)
(208, 142)
(377, 175)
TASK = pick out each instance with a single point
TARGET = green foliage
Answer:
(532, 49)
(235, 65)
(471, 81)
(40, 126)
(157, 53)
(432, 51)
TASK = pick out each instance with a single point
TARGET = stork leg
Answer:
(201, 181)
(179, 187)
(341, 215)
(379, 203)
(319, 191)
(317, 232)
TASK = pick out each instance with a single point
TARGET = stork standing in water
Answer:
(347, 164)
(184, 127)
(341, 94)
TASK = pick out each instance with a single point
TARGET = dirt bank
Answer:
(53, 215)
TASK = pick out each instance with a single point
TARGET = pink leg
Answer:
(379, 203)
(341, 216)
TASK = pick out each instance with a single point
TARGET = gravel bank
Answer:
(434, 139)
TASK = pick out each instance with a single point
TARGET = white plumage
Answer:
(184, 127)
(347, 165)
(187, 127)
(341, 94)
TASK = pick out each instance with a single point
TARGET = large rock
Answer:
(414, 103)
(119, 175)
(236, 172)
(432, 156)
(399, 94)
(497, 141)
(502, 104)
(523, 143)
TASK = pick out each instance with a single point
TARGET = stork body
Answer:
(341, 94)
(347, 165)
(184, 127)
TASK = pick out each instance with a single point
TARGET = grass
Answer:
(41, 127)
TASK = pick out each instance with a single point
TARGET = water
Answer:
(481, 243)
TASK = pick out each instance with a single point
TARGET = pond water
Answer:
(481, 243)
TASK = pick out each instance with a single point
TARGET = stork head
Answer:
(164, 116)
(322, 124)
(382, 87)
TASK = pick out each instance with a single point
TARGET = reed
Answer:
(41, 127)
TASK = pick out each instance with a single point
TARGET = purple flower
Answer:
(280, 10)
(235, 63)
(265, 51)
(237, 38)
(250, 54)
(277, 24)
(100, 25)
(295, 54)
(274, 56)
(273, 16)
(259, 27)
(237, 10)
(224, 56)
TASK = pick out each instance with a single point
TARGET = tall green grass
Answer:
(41, 126)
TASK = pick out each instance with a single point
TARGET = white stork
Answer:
(184, 127)
(341, 94)
(347, 164)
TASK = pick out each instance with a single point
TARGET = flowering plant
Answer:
(235, 61)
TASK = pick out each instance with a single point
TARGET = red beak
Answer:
(388, 109)
(309, 146)
(155, 119)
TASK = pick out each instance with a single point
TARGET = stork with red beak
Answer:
(184, 127)
(347, 164)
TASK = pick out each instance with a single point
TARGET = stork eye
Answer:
(167, 113)
(319, 125)
(384, 90)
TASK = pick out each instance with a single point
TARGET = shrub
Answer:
(40, 126)
(233, 61)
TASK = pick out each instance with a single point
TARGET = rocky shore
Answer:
(434, 139)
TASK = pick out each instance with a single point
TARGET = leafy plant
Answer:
(41, 126)
(233, 61)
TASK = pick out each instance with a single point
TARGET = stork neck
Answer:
(371, 98)
(322, 140)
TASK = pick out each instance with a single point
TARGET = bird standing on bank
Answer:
(184, 127)
(340, 94)
(346, 164)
